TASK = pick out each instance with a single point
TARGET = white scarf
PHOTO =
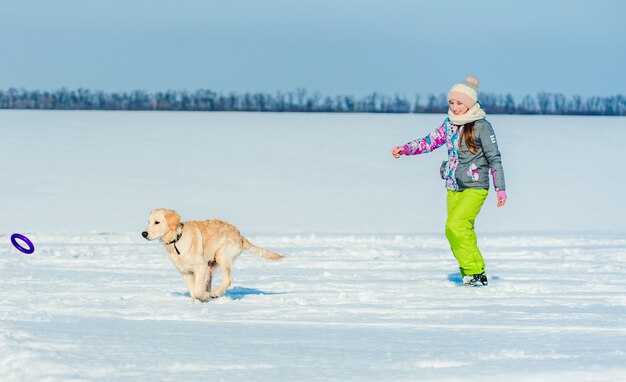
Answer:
(473, 114)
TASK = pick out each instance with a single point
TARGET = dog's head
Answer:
(161, 222)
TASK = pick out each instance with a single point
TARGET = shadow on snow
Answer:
(236, 293)
(456, 278)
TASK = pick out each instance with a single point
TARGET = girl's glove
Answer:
(397, 151)
(501, 195)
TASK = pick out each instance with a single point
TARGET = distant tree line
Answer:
(301, 101)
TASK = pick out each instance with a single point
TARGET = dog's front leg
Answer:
(199, 288)
(190, 280)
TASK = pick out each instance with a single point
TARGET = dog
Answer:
(198, 248)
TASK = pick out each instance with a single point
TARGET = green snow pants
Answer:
(463, 207)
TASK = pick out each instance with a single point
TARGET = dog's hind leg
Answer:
(225, 263)
(212, 268)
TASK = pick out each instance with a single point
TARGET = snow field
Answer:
(338, 307)
(369, 290)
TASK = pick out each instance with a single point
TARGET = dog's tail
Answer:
(261, 252)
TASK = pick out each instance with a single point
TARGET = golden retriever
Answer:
(197, 248)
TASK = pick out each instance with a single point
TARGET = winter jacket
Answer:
(463, 169)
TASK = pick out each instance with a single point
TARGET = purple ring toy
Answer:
(31, 247)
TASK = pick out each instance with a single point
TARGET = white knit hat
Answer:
(465, 92)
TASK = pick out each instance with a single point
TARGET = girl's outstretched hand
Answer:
(501, 195)
(397, 151)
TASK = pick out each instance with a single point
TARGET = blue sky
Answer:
(334, 47)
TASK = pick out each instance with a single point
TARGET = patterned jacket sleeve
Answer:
(487, 138)
(427, 144)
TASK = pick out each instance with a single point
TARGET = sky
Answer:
(335, 47)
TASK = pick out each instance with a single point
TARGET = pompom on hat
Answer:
(465, 92)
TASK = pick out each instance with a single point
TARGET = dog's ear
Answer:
(172, 219)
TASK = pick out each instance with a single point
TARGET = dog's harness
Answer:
(178, 236)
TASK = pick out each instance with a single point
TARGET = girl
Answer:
(472, 154)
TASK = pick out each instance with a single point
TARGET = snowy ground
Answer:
(368, 289)
(356, 307)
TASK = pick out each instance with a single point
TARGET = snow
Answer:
(295, 173)
(368, 289)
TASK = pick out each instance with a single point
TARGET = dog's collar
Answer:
(178, 236)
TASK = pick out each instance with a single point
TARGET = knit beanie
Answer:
(465, 92)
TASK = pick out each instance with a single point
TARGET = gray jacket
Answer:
(463, 169)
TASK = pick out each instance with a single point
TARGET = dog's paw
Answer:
(204, 297)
